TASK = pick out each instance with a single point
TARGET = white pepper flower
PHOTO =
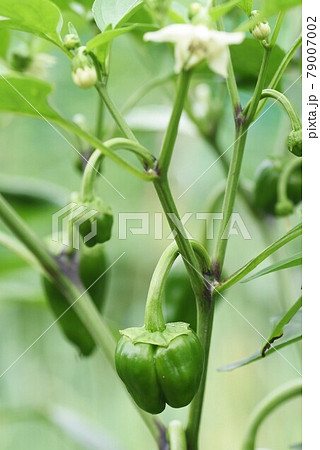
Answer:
(196, 43)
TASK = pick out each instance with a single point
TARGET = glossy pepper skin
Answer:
(102, 220)
(266, 185)
(156, 375)
(89, 265)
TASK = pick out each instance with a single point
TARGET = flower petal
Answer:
(225, 38)
(219, 62)
(171, 33)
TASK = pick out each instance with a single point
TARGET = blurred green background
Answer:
(52, 398)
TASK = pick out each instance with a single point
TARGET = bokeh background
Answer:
(52, 398)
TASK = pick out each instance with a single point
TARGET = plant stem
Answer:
(15, 246)
(96, 143)
(176, 436)
(235, 169)
(89, 175)
(100, 117)
(284, 102)
(185, 248)
(282, 188)
(24, 234)
(95, 160)
(81, 302)
(115, 113)
(205, 321)
(281, 69)
(268, 404)
(172, 130)
(153, 319)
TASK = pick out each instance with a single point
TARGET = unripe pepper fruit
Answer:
(266, 185)
(102, 218)
(160, 367)
(88, 265)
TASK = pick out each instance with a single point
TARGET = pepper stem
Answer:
(89, 175)
(115, 144)
(284, 179)
(153, 319)
(287, 105)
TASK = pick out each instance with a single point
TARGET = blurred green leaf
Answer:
(222, 9)
(272, 7)
(295, 260)
(277, 331)
(67, 4)
(26, 95)
(32, 191)
(5, 41)
(292, 334)
(107, 36)
(246, 6)
(40, 17)
(19, 249)
(247, 57)
(114, 12)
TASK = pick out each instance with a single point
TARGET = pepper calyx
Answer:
(160, 338)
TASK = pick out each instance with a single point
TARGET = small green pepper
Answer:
(266, 186)
(100, 223)
(88, 264)
(160, 367)
(295, 142)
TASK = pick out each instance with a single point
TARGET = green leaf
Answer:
(108, 35)
(295, 260)
(272, 7)
(254, 262)
(277, 331)
(26, 95)
(292, 334)
(251, 51)
(246, 6)
(40, 17)
(114, 12)
(222, 9)
(68, 4)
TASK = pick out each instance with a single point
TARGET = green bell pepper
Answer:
(161, 367)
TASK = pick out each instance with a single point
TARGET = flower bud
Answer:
(84, 73)
(295, 142)
(71, 41)
(261, 30)
(194, 9)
